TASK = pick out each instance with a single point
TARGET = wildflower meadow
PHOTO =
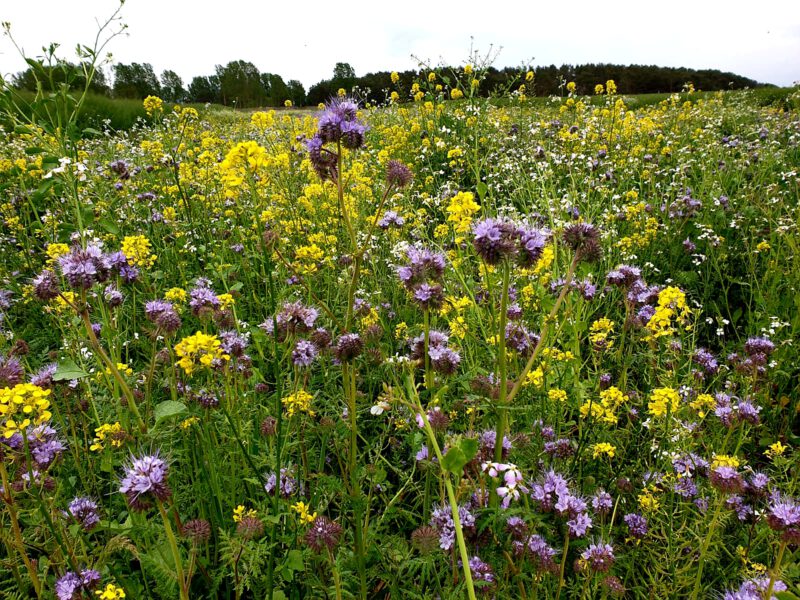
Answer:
(442, 346)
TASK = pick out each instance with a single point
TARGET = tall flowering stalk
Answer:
(339, 124)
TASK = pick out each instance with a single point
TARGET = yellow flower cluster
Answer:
(262, 119)
(775, 450)
(453, 309)
(298, 402)
(605, 410)
(303, 512)
(725, 460)
(111, 592)
(153, 104)
(56, 251)
(199, 350)
(647, 501)
(600, 334)
(602, 448)
(136, 249)
(671, 307)
(462, 207)
(703, 404)
(22, 405)
(240, 512)
(307, 258)
(557, 395)
(663, 400)
(113, 432)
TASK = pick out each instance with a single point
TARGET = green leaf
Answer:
(482, 189)
(278, 595)
(294, 561)
(469, 446)
(109, 226)
(68, 370)
(459, 455)
(167, 410)
(33, 150)
(92, 131)
(454, 460)
(786, 596)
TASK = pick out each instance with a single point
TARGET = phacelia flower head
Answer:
(84, 510)
(584, 239)
(398, 174)
(83, 267)
(145, 477)
(323, 534)
(163, 315)
(495, 239)
(599, 556)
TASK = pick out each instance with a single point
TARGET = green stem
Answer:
(113, 368)
(12, 511)
(704, 549)
(563, 565)
(502, 367)
(176, 555)
(451, 497)
(776, 569)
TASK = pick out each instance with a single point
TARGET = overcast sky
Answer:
(303, 40)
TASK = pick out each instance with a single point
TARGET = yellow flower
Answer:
(602, 448)
(176, 295)
(287, 103)
(611, 87)
(114, 432)
(598, 89)
(395, 77)
(663, 400)
(600, 335)
(468, 69)
(302, 510)
(724, 460)
(462, 207)
(56, 251)
(240, 512)
(775, 450)
(557, 395)
(225, 301)
(297, 403)
(22, 405)
(648, 502)
(341, 92)
(394, 97)
(571, 87)
(111, 592)
(763, 246)
(529, 76)
(262, 119)
(456, 93)
(199, 351)
(153, 104)
(136, 249)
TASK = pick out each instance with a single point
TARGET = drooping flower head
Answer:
(495, 239)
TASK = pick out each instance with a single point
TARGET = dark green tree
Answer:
(240, 84)
(172, 89)
(136, 80)
(205, 89)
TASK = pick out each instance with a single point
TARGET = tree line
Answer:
(240, 83)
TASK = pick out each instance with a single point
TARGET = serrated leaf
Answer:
(67, 370)
(167, 410)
